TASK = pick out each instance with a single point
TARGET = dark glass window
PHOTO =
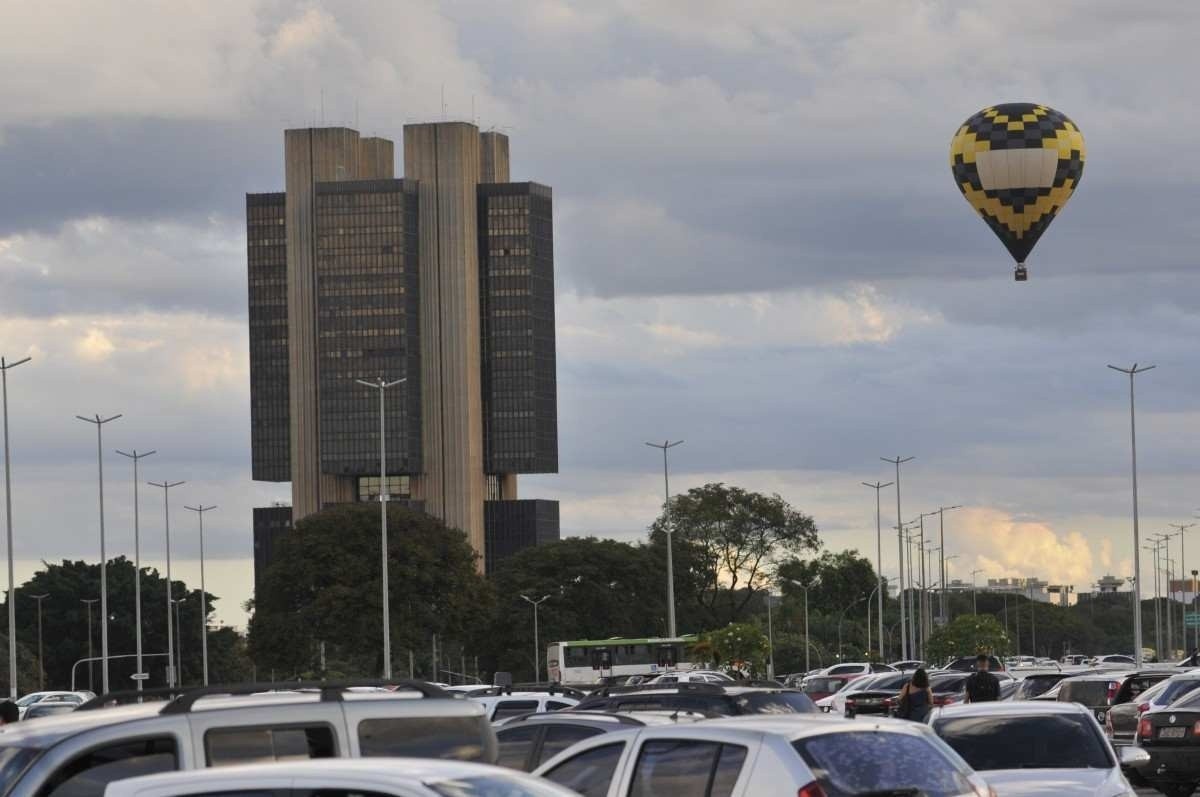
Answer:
(460, 738)
(229, 746)
(560, 737)
(513, 708)
(88, 774)
(1045, 741)
(687, 766)
(516, 745)
(865, 762)
(589, 773)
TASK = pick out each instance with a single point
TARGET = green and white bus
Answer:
(587, 661)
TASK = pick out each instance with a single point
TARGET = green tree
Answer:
(966, 636)
(833, 579)
(730, 539)
(325, 587)
(737, 646)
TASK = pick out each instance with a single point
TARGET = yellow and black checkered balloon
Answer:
(1017, 164)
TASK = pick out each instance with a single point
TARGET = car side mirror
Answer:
(1133, 757)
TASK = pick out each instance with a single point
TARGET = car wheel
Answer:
(1135, 778)
(1176, 789)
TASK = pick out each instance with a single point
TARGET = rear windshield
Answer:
(1038, 741)
(775, 703)
(1089, 693)
(459, 738)
(1177, 689)
(941, 686)
(882, 762)
(1035, 685)
(13, 761)
(824, 685)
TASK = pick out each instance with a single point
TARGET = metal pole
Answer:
(382, 385)
(41, 660)
(1032, 621)
(137, 562)
(665, 446)
(5, 367)
(807, 644)
(99, 422)
(877, 486)
(1197, 624)
(179, 641)
(1180, 528)
(200, 510)
(942, 542)
(898, 461)
(172, 675)
(975, 592)
(1137, 562)
(537, 650)
(88, 602)
(771, 640)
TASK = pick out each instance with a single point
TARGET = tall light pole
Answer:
(137, 560)
(842, 616)
(770, 639)
(666, 445)
(1180, 528)
(877, 486)
(945, 559)
(1168, 571)
(179, 639)
(1153, 548)
(200, 510)
(5, 367)
(1137, 561)
(89, 602)
(41, 660)
(975, 592)
(382, 385)
(537, 648)
(907, 534)
(166, 486)
(942, 510)
(923, 598)
(99, 423)
(898, 461)
(807, 645)
(1197, 629)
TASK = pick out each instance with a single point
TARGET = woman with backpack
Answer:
(916, 698)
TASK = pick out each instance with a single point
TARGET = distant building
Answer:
(1109, 584)
(1029, 587)
(445, 279)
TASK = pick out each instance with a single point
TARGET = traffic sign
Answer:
(140, 676)
(1191, 620)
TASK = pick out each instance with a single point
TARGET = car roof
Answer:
(613, 719)
(797, 726)
(1003, 708)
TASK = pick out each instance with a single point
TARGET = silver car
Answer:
(1037, 748)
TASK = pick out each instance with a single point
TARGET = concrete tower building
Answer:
(443, 278)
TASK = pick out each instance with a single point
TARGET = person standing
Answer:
(916, 698)
(9, 713)
(982, 686)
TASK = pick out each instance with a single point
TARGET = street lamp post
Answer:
(172, 675)
(945, 569)
(974, 592)
(872, 595)
(770, 639)
(1180, 528)
(537, 648)
(666, 445)
(137, 561)
(842, 617)
(1197, 643)
(5, 367)
(89, 602)
(99, 422)
(877, 486)
(41, 660)
(1137, 562)
(179, 638)
(200, 510)
(942, 510)
(382, 385)
(898, 461)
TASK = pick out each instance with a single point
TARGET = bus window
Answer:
(667, 657)
(601, 659)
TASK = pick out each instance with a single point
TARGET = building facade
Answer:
(443, 279)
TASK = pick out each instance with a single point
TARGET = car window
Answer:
(1037, 741)
(515, 746)
(513, 708)
(881, 762)
(460, 738)
(228, 746)
(845, 669)
(560, 737)
(717, 705)
(13, 761)
(555, 705)
(86, 775)
(589, 772)
(1182, 692)
(775, 703)
(686, 766)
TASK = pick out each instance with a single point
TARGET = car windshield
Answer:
(13, 761)
(492, 786)
(825, 685)
(1029, 741)
(882, 762)
(1177, 689)
(30, 699)
(775, 703)
(1151, 694)
(1036, 685)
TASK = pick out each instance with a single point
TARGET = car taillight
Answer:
(944, 700)
(1113, 688)
(1143, 708)
(1145, 729)
(811, 790)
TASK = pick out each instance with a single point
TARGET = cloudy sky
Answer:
(760, 250)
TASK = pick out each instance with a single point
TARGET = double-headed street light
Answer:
(877, 486)
(898, 461)
(41, 659)
(99, 422)
(975, 592)
(137, 562)
(200, 510)
(172, 672)
(382, 385)
(941, 511)
(667, 445)
(5, 367)
(537, 650)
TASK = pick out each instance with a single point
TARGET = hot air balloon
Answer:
(1017, 164)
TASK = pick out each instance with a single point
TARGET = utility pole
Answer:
(975, 593)
(200, 510)
(666, 446)
(99, 422)
(137, 562)
(41, 659)
(898, 461)
(942, 510)
(1137, 562)
(91, 678)
(537, 648)
(172, 673)
(1180, 528)
(877, 486)
(5, 367)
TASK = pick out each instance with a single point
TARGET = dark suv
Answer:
(1101, 690)
(747, 697)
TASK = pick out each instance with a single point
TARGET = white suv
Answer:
(750, 756)
(80, 752)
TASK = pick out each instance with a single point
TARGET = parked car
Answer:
(501, 703)
(33, 698)
(525, 742)
(751, 756)
(383, 778)
(950, 687)
(1023, 748)
(967, 664)
(857, 669)
(1074, 659)
(48, 708)
(741, 697)
(692, 677)
(869, 695)
(1035, 684)
(80, 752)
(1121, 720)
(819, 686)
(908, 665)
(1102, 690)
(1172, 738)
(1113, 660)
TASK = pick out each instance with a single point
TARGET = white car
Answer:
(857, 669)
(692, 677)
(766, 755)
(77, 698)
(1024, 749)
(388, 777)
(515, 704)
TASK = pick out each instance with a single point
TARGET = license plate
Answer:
(1171, 733)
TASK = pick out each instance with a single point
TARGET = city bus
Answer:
(587, 661)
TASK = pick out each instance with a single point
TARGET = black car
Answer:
(872, 696)
(735, 699)
(967, 664)
(1040, 683)
(1171, 736)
